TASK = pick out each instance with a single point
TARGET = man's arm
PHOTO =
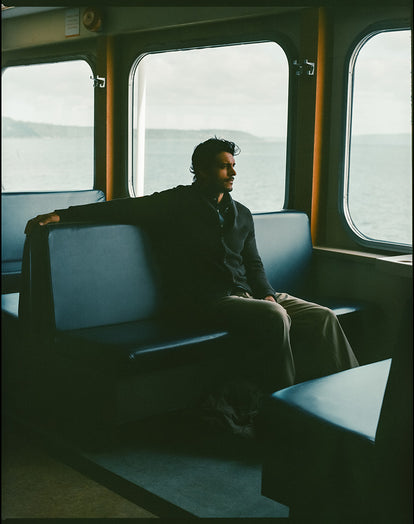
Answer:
(123, 210)
(119, 210)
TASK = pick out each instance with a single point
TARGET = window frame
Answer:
(286, 46)
(349, 74)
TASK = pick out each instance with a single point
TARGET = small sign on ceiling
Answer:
(72, 22)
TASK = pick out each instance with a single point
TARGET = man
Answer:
(206, 240)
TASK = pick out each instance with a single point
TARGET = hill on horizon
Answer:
(22, 129)
(12, 128)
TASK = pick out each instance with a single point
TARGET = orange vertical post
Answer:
(319, 127)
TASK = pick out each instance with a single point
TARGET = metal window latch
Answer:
(98, 81)
(304, 67)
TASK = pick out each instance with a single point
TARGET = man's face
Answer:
(221, 174)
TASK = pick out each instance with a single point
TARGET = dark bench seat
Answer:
(339, 448)
(285, 245)
(316, 431)
(16, 210)
(91, 304)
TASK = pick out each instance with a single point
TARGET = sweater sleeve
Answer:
(124, 210)
(254, 267)
(113, 211)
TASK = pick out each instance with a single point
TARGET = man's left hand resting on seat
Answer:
(42, 220)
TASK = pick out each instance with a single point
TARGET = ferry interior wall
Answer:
(113, 404)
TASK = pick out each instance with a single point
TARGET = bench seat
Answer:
(339, 448)
(92, 304)
(350, 400)
(16, 210)
(320, 451)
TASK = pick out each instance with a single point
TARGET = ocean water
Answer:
(380, 190)
(380, 201)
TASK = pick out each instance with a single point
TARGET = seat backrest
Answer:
(285, 246)
(18, 208)
(115, 281)
(87, 275)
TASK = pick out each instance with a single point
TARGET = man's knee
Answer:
(328, 317)
(275, 317)
(322, 316)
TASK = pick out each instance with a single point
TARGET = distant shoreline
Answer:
(21, 129)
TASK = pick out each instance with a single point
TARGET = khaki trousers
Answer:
(287, 341)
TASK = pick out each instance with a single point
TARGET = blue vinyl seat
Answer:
(16, 210)
(339, 448)
(285, 246)
(91, 306)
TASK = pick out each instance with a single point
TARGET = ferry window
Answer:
(47, 127)
(378, 200)
(181, 98)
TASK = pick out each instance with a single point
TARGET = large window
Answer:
(378, 201)
(181, 98)
(47, 127)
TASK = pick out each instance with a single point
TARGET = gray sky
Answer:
(239, 87)
(59, 93)
(383, 64)
(235, 87)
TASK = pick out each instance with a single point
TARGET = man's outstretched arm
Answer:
(112, 211)
(123, 210)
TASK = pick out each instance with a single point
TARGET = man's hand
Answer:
(42, 220)
(270, 298)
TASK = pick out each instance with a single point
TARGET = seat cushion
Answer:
(139, 346)
(12, 267)
(321, 434)
(341, 307)
(350, 400)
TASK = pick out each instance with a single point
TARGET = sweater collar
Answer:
(226, 202)
(212, 197)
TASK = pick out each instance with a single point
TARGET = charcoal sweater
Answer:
(203, 256)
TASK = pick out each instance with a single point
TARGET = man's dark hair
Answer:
(205, 153)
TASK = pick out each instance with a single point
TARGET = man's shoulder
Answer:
(171, 193)
(177, 190)
(241, 208)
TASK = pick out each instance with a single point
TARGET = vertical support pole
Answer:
(318, 149)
